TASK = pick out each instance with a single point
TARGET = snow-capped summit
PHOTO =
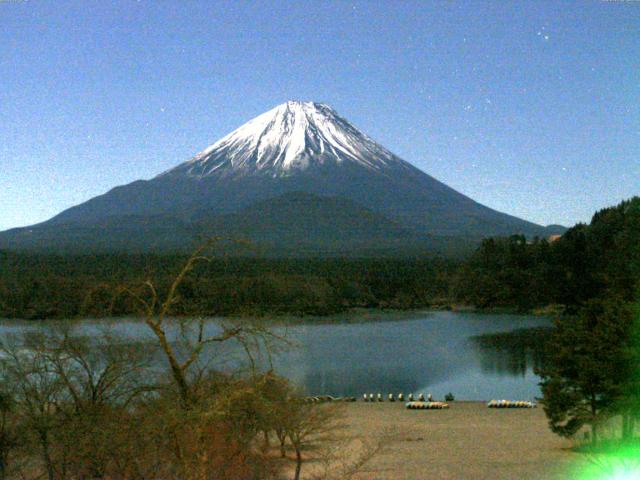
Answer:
(289, 138)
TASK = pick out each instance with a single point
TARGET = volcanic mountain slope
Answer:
(295, 148)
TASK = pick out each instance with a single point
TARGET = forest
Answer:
(588, 261)
(48, 286)
(513, 273)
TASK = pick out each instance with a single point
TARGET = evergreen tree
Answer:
(589, 365)
(628, 404)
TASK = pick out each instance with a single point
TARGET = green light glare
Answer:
(619, 464)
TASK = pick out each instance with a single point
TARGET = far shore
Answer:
(352, 315)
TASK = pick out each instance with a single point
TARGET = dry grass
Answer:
(468, 441)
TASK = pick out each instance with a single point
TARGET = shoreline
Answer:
(348, 316)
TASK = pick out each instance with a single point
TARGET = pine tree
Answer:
(586, 378)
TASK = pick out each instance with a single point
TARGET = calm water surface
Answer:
(426, 352)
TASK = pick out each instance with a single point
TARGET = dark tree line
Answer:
(588, 261)
(48, 286)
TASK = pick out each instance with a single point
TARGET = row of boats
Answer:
(368, 397)
(419, 403)
(510, 404)
(426, 405)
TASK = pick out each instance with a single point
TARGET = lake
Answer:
(421, 352)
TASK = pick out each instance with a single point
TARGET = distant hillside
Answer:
(292, 224)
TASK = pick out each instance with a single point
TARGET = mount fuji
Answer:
(296, 179)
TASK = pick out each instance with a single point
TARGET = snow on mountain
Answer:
(292, 137)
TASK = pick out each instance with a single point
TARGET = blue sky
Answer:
(532, 108)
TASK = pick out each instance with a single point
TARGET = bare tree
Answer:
(308, 426)
(200, 425)
(9, 435)
(101, 376)
(192, 331)
(99, 371)
(38, 390)
(72, 395)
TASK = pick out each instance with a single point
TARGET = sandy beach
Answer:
(467, 441)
